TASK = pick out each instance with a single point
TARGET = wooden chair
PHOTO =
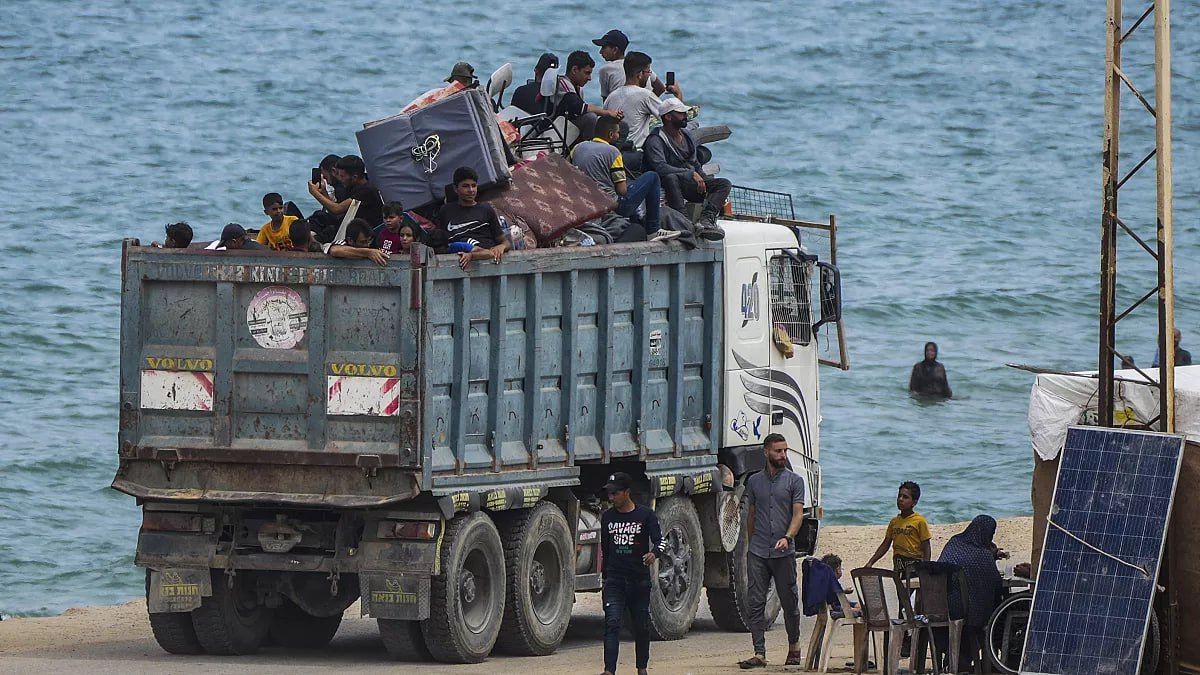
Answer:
(877, 614)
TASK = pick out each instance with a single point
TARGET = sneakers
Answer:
(709, 232)
(663, 235)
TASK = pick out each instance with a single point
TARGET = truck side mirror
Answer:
(831, 294)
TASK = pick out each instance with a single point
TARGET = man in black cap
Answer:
(630, 542)
(527, 96)
(464, 73)
(233, 238)
(612, 74)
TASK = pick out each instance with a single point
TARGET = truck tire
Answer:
(730, 606)
(403, 640)
(675, 596)
(173, 631)
(295, 628)
(231, 620)
(466, 603)
(539, 558)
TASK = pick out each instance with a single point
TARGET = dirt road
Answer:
(103, 640)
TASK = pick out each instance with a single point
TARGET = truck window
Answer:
(790, 305)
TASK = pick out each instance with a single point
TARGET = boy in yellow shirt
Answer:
(908, 533)
(277, 232)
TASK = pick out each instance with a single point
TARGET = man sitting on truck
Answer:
(612, 74)
(603, 163)
(670, 151)
(300, 234)
(357, 245)
(638, 104)
(528, 97)
(473, 229)
(568, 97)
(352, 173)
(233, 238)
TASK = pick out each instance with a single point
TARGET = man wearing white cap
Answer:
(670, 151)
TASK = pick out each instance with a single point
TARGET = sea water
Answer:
(958, 142)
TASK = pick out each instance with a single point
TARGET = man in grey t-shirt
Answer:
(776, 499)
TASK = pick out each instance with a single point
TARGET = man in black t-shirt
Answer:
(630, 542)
(527, 97)
(352, 174)
(473, 229)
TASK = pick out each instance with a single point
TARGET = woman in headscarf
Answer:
(974, 551)
(928, 376)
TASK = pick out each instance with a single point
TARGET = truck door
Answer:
(792, 378)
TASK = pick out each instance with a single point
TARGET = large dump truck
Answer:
(303, 432)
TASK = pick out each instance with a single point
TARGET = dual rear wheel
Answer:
(507, 584)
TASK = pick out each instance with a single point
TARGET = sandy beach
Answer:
(117, 639)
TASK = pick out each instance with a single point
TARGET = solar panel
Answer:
(1105, 538)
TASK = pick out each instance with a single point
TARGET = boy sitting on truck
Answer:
(473, 229)
(276, 233)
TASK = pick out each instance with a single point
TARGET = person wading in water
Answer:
(928, 376)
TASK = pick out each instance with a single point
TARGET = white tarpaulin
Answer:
(1058, 401)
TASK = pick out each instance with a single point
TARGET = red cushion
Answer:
(551, 196)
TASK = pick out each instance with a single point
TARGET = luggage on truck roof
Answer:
(411, 157)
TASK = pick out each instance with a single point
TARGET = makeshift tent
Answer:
(1059, 400)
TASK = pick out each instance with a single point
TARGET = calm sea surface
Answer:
(958, 142)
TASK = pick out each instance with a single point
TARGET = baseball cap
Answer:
(670, 105)
(461, 69)
(232, 231)
(618, 481)
(613, 38)
(546, 62)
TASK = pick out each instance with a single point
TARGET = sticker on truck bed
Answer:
(277, 317)
(374, 396)
(177, 390)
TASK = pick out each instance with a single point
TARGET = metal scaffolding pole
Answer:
(1112, 224)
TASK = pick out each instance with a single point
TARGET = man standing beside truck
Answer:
(630, 541)
(776, 500)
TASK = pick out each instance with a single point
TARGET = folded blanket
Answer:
(551, 197)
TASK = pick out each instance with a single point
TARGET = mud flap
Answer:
(393, 595)
(177, 590)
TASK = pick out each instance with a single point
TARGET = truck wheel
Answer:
(730, 606)
(173, 631)
(676, 593)
(540, 560)
(403, 640)
(466, 603)
(296, 628)
(231, 620)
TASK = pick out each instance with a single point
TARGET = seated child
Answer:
(398, 231)
(276, 233)
(835, 563)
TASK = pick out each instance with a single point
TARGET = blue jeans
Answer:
(620, 593)
(648, 189)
